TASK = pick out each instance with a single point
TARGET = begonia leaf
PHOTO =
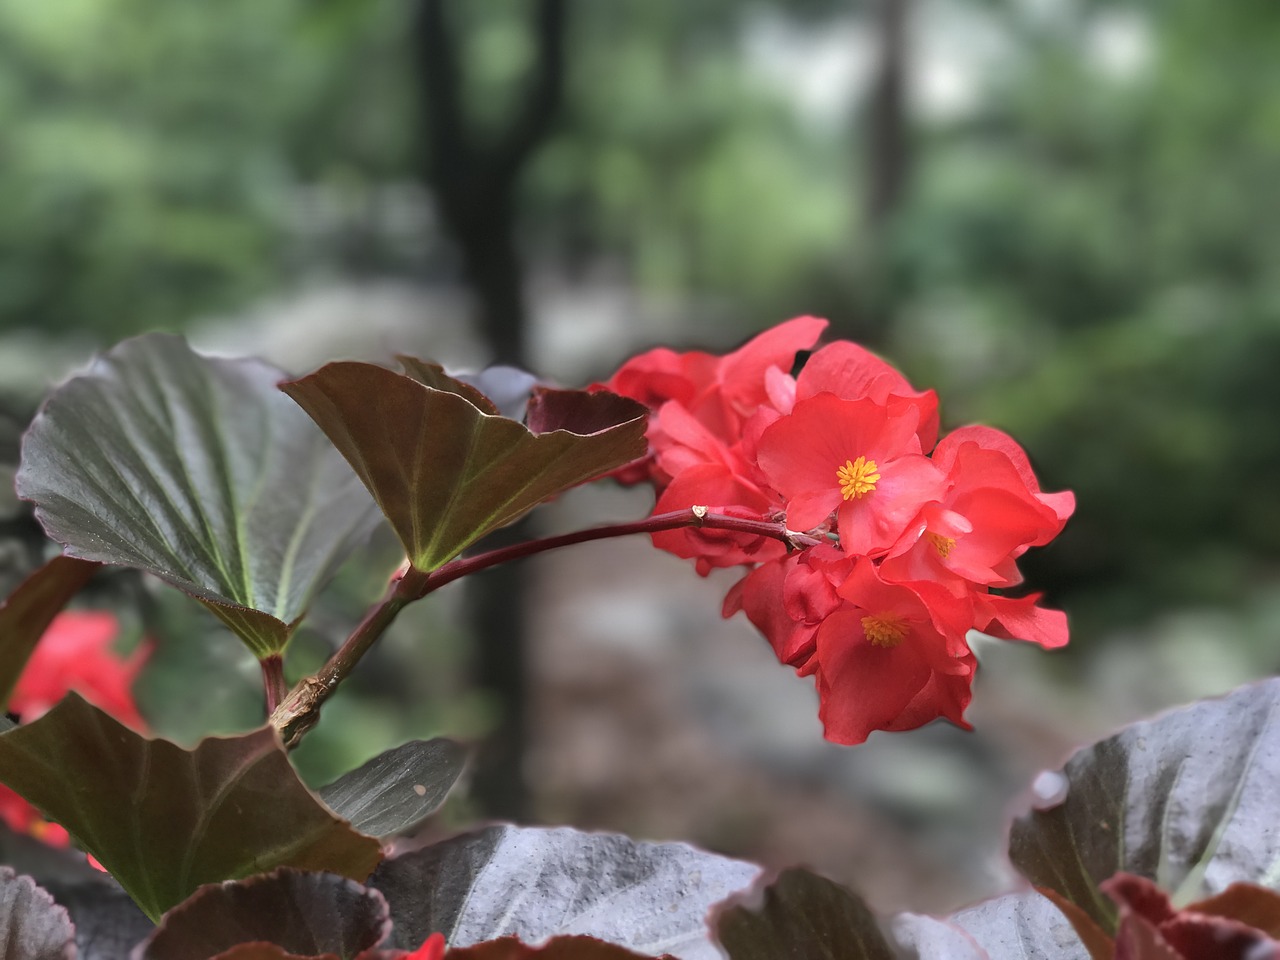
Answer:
(306, 914)
(199, 471)
(533, 884)
(1186, 799)
(107, 923)
(557, 948)
(32, 926)
(267, 951)
(445, 471)
(800, 914)
(397, 789)
(165, 820)
(29, 610)
(1017, 926)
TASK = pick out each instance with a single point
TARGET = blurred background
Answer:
(1062, 214)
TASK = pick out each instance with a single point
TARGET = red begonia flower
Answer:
(432, 949)
(73, 654)
(987, 517)
(853, 457)
(1019, 618)
(1063, 504)
(715, 487)
(718, 392)
(889, 660)
(854, 373)
(789, 598)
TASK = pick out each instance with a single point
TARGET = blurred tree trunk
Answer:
(888, 156)
(475, 181)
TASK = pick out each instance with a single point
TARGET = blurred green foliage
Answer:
(1085, 255)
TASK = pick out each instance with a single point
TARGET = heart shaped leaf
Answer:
(1186, 799)
(800, 914)
(32, 926)
(199, 471)
(164, 820)
(397, 789)
(533, 884)
(305, 914)
(29, 610)
(447, 471)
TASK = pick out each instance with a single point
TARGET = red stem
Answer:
(273, 681)
(300, 709)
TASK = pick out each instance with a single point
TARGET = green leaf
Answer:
(800, 914)
(532, 883)
(446, 471)
(1186, 799)
(304, 914)
(29, 610)
(397, 789)
(199, 471)
(164, 820)
(32, 926)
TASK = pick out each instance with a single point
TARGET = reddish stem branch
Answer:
(273, 681)
(299, 711)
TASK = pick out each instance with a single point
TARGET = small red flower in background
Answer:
(75, 653)
(918, 531)
(432, 949)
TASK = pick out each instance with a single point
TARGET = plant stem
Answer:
(299, 711)
(273, 680)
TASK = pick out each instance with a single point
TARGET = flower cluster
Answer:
(908, 535)
(75, 653)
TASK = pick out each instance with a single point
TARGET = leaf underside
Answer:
(32, 926)
(536, 883)
(1186, 799)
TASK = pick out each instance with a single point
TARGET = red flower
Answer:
(853, 373)
(432, 949)
(890, 659)
(74, 654)
(853, 457)
(720, 393)
(976, 530)
(839, 453)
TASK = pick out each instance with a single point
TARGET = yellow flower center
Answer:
(857, 478)
(885, 630)
(940, 543)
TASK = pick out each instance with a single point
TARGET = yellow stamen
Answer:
(857, 478)
(940, 543)
(885, 630)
